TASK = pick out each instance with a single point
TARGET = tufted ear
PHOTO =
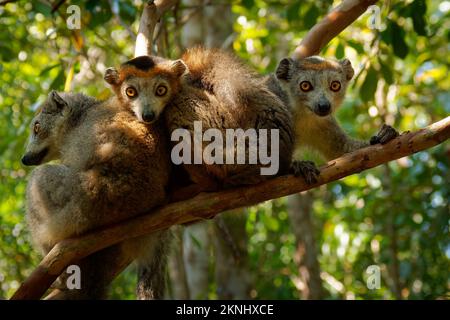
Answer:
(178, 67)
(111, 76)
(347, 67)
(56, 103)
(283, 71)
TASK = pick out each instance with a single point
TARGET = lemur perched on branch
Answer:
(314, 88)
(112, 167)
(211, 87)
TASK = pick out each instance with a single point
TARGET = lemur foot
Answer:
(386, 134)
(306, 169)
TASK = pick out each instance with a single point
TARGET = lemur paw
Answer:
(386, 134)
(306, 169)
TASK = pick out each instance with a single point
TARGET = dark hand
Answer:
(307, 169)
(386, 134)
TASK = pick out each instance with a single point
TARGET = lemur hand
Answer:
(307, 169)
(386, 134)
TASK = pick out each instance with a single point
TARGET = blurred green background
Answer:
(316, 245)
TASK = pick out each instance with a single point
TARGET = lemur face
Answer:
(146, 84)
(315, 84)
(147, 97)
(45, 130)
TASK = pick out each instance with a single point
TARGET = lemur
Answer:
(111, 167)
(314, 88)
(215, 88)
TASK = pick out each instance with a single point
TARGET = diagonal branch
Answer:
(334, 23)
(207, 205)
(153, 11)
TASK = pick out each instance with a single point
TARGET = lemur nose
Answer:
(148, 116)
(323, 108)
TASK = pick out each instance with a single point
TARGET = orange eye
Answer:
(161, 90)
(131, 92)
(335, 86)
(306, 86)
(37, 128)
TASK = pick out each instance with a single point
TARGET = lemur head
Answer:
(315, 83)
(146, 84)
(49, 125)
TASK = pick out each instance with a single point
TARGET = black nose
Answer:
(34, 158)
(323, 108)
(25, 160)
(148, 116)
(29, 160)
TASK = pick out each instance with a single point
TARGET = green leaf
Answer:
(369, 85)
(77, 67)
(356, 45)
(100, 13)
(6, 53)
(310, 17)
(46, 70)
(196, 242)
(127, 12)
(386, 71)
(398, 40)
(293, 12)
(43, 8)
(58, 82)
(340, 51)
(386, 36)
(419, 9)
(248, 3)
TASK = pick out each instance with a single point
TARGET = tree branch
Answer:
(153, 11)
(330, 26)
(207, 205)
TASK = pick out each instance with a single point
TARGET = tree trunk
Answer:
(233, 277)
(300, 213)
(177, 271)
(218, 31)
(196, 245)
(193, 32)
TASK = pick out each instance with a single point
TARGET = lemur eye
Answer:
(335, 86)
(131, 92)
(306, 86)
(161, 90)
(36, 128)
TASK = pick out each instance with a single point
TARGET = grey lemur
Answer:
(214, 88)
(314, 88)
(111, 167)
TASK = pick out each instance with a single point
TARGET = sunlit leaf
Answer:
(369, 86)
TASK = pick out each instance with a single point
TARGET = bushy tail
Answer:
(220, 73)
(152, 268)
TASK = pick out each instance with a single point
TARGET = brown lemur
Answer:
(314, 88)
(111, 167)
(214, 88)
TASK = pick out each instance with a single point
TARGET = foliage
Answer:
(394, 214)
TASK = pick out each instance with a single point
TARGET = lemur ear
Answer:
(57, 104)
(283, 69)
(347, 67)
(178, 67)
(111, 76)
